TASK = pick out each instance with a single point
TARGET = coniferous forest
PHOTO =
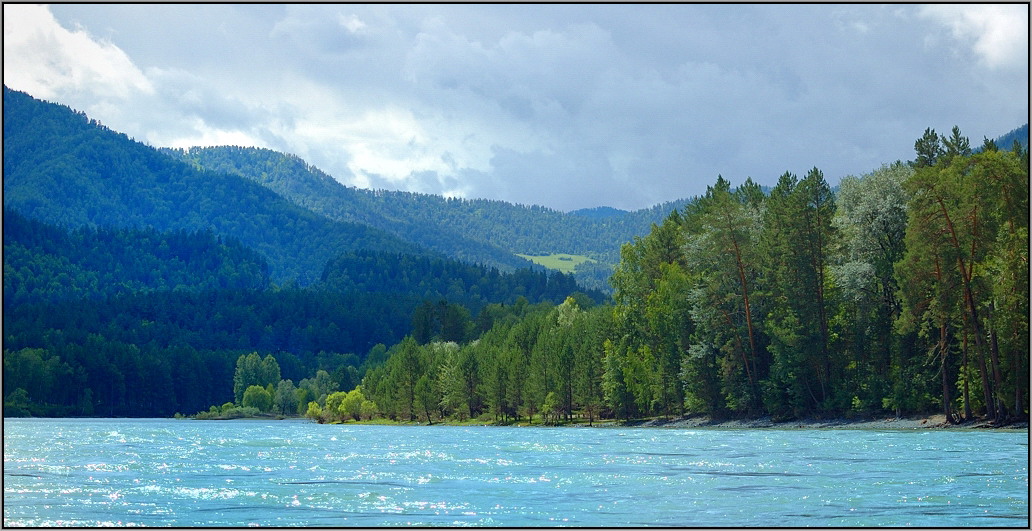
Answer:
(140, 282)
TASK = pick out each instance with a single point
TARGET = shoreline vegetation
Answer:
(904, 291)
(912, 422)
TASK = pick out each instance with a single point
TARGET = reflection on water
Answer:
(157, 472)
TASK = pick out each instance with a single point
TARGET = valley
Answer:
(145, 282)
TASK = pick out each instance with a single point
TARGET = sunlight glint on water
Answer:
(157, 472)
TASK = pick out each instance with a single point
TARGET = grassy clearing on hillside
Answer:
(560, 262)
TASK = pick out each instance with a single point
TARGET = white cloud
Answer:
(568, 106)
(998, 33)
(162, 106)
(351, 23)
(49, 61)
(201, 134)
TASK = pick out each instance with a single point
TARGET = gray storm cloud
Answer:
(565, 106)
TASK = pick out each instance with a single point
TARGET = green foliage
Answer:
(351, 406)
(929, 149)
(722, 252)
(205, 333)
(967, 248)
(17, 404)
(472, 230)
(434, 279)
(550, 409)
(64, 169)
(872, 218)
(565, 263)
(798, 240)
(368, 410)
(314, 411)
(614, 389)
(907, 291)
(228, 411)
(285, 400)
(257, 397)
(44, 263)
(252, 370)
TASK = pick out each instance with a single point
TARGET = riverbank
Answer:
(915, 422)
(887, 423)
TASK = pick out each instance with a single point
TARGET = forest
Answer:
(905, 292)
(136, 322)
(65, 169)
(473, 230)
(225, 281)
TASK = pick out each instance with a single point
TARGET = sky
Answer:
(565, 106)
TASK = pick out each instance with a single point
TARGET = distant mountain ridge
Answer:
(62, 168)
(295, 215)
(308, 187)
(482, 231)
(1019, 135)
(45, 263)
(601, 212)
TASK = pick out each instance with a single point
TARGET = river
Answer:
(166, 472)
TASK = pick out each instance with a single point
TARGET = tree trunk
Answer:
(986, 389)
(969, 299)
(994, 356)
(943, 348)
(1019, 381)
(745, 300)
(967, 377)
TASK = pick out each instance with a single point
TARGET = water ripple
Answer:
(95, 472)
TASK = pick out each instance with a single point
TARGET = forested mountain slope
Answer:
(474, 230)
(1019, 135)
(64, 168)
(139, 322)
(45, 263)
(307, 186)
(133, 282)
(473, 286)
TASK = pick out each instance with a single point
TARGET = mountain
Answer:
(1019, 135)
(308, 187)
(45, 263)
(473, 286)
(600, 213)
(63, 168)
(474, 230)
(134, 281)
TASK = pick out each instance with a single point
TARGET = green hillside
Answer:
(1019, 135)
(490, 232)
(44, 263)
(133, 282)
(308, 187)
(567, 263)
(63, 168)
(136, 280)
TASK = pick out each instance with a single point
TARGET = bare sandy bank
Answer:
(888, 423)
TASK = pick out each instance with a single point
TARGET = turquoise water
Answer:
(160, 472)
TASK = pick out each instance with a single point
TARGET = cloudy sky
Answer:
(566, 106)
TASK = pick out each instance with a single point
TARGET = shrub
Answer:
(257, 397)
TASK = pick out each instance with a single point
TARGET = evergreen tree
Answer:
(929, 149)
